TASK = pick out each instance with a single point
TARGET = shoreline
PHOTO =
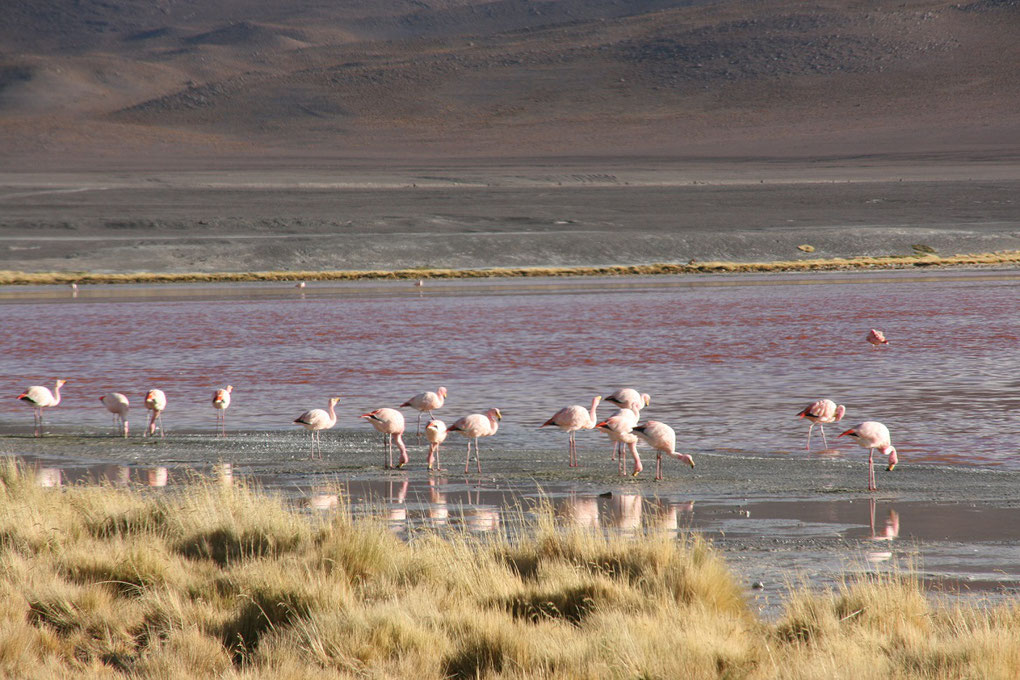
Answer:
(894, 262)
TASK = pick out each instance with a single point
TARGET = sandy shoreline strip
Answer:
(1008, 258)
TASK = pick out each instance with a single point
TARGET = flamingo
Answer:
(662, 438)
(426, 402)
(155, 401)
(626, 397)
(474, 426)
(822, 411)
(117, 404)
(40, 397)
(300, 284)
(316, 420)
(435, 432)
(876, 338)
(390, 422)
(570, 419)
(618, 427)
(873, 435)
(220, 402)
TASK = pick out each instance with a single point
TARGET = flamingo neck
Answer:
(56, 395)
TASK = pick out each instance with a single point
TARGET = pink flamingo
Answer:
(570, 419)
(40, 397)
(390, 422)
(317, 420)
(619, 427)
(155, 401)
(662, 438)
(873, 435)
(474, 426)
(435, 432)
(626, 397)
(117, 404)
(426, 402)
(876, 338)
(822, 411)
(220, 402)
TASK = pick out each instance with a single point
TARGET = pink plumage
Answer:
(475, 426)
(876, 338)
(822, 411)
(316, 420)
(435, 432)
(570, 419)
(625, 397)
(874, 435)
(390, 422)
(40, 397)
(619, 427)
(662, 438)
(117, 404)
(155, 401)
(220, 402)
(426, 402)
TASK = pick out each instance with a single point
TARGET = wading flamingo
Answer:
(873, 435)
(435, 432)
(618, 427)
(390, 422)
(662, 438)
(155, 401)
(570, 419)
(317, 420)
(426, 402)
(876, 338)
(474, 426)
(220, 402)
(40, 397)
(822, 411)
(117, 404)
(625, 397)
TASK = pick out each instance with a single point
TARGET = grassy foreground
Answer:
(919, 259)
(231, 583)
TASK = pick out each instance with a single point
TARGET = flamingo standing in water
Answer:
(822, 411)
(155, 401)
(570, 419)
(619, 427)
(873, 435)
(626, 397)
(426, 402)
(662, 438)
(876, 338)
(474, 426)
(220, 402)
(390, 422)
(435, 432)
(40, 397)
(317, 420)
(117, 404)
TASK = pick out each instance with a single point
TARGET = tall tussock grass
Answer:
(212, 582)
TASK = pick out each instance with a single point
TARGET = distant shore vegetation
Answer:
(213, 581)
(919, 259)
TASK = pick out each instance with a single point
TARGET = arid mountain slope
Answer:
(98, 79)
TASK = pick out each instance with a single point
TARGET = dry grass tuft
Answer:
(921, 256)
(209, 582)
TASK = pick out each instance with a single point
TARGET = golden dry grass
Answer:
(234, 583)
(918, 260)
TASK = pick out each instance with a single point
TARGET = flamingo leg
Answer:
(616, 448)
(438, 466)
(809, 436)
(467, 460)
(871, 470)
(478, 461)
(822, 430)
(658, 465)
(638, 467)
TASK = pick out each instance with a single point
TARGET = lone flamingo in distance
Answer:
(626, 397)
(619, 427)
(390, 422)
(426, 402)
(317, 420)
(873, 435)
(570, 419)
(822, 411)
(474, 426)
(876, 338)
(662, 438)
(435, 432)
(40, 397)
(155, 401)
(117, 404)
(220, 402)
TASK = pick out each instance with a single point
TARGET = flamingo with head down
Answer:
(619, 427)
(874, 435)
(117, 404)
(390, 422)
(155, 401)
(662, 438)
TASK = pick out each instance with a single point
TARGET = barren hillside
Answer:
(88, 80)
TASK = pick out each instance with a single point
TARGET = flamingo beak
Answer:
(848, 432)
(604, 423)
